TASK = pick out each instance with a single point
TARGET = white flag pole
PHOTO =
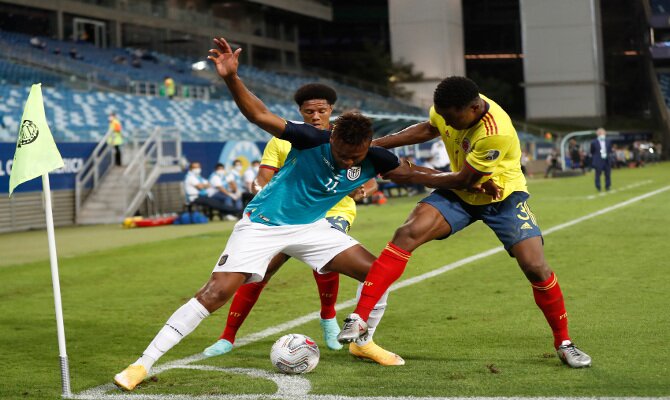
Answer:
(53, 258)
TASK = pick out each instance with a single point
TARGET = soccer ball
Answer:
(294, 354)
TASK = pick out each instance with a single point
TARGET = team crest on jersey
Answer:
(466, 145)
(492, 155)
(353, 173)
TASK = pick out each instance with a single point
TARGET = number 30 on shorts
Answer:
(524, 213)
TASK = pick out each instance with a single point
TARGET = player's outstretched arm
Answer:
(465, 179)
(417, 133)
(227, 62)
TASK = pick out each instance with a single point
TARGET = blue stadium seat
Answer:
(77, 116)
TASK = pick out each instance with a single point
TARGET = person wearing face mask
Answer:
(248, 182)
(601, 151)
(196, 190)
(249, 176)
(236, 173)
(221, 187)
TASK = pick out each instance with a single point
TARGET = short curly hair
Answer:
(455, 91)
(313, 91)
(353, 128)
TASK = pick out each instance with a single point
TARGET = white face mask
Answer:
(255, 169)
(196, 171)
(238, 168)
(221, 173)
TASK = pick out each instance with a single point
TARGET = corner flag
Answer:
(36, 152)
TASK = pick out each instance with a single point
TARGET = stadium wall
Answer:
(25, 211)
(563, 59)
(429, 35)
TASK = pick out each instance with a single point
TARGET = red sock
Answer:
(244, 300)
(328, 285)
(549, 298)
(385, 270)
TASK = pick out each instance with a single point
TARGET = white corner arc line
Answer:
(99, 392)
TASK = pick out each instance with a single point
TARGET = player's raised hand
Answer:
(225, 60)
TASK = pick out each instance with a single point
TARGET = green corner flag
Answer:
(36, 152)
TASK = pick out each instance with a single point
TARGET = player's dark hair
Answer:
(219, 165)
(455, 91)
(314, 91)
(353, 128)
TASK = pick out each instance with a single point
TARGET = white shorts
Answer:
(251, 246)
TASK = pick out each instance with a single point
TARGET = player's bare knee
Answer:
(536, 270)
(407, 237)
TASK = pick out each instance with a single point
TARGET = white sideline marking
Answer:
(100, 391)
(608, 192)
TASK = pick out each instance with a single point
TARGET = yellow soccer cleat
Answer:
(372, 351)
(130, 377)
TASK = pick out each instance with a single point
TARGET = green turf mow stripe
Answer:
(299, 389)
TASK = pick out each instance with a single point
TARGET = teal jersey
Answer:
(310, 183)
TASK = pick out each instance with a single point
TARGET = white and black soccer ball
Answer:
(294, 354)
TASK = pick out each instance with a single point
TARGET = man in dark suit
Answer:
(601, 153)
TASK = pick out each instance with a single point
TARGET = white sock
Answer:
(180, 324)
(375, 316)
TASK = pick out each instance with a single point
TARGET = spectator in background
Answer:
(619, 156)
(552, 163)
(601, 150)
(74, 54)
(236, 174)
(248, 180)
(121, 60)
(439, 158)
(57, 51)
(135, 63)
(196, 190)
(575, 155)
(37, 43)
(524, 162)
(221, 187)
(115, 137)
(169, 87)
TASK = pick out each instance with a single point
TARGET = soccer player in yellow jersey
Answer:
(315, 102)
(485, 156)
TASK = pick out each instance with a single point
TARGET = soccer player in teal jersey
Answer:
(287, 216)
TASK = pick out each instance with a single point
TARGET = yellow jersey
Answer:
(274, 156)
(490, 147)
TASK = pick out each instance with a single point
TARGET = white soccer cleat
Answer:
(354, 328)
(573, 357)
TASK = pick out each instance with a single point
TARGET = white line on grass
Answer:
(631, 186)
(100, 391)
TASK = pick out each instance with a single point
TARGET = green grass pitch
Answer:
(472, 331)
